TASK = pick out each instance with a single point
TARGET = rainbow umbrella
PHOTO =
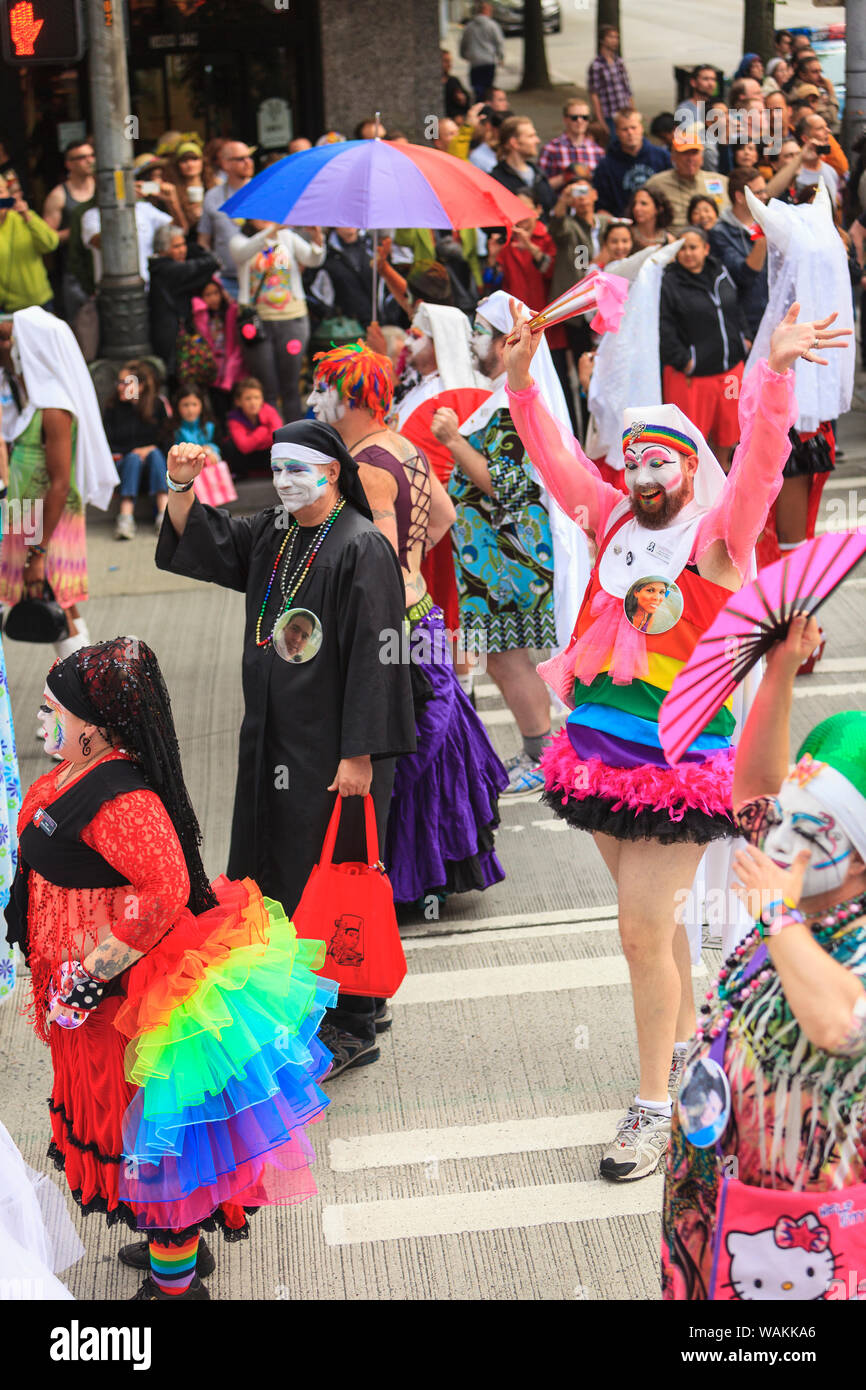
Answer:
(374, 183)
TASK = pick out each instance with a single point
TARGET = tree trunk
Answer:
(759, 22)
(607, 12)
(535, 74)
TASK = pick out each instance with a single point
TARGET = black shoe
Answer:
(138, 1257)
(349, 1051)
(383, 1017)
(152, 1293)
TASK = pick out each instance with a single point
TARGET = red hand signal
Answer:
(23, 28)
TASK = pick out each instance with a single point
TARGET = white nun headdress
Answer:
(449, 329)
(666, 424)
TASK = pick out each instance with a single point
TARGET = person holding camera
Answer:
(813, 134)
(24, 242)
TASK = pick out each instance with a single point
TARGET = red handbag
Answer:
(351, 908)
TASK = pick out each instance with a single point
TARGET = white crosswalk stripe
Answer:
(471, 1141)
(405, 1218)
(535, 978)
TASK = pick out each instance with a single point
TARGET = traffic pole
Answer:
(121, 297)
(855, 71)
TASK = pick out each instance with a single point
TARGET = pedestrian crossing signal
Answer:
(42, 31)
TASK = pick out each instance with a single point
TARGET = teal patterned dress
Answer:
(10, 804)
(503, 550)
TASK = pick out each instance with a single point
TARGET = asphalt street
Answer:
(463, 1165)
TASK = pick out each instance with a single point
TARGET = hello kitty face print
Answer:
(790, 1262)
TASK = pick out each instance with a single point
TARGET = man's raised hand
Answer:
(520, 348)
(792, 340)
(185, 462)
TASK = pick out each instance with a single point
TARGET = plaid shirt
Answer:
(610, 83)
(560, 153)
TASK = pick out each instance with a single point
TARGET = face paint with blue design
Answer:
(784, 825)
(298, 484)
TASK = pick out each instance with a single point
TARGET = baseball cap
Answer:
(688, 138)
(806, 89)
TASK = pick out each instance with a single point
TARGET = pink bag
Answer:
(781, 1245)
(784, 1245)
(214, 485)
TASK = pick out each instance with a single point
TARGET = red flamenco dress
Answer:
(182, 1100)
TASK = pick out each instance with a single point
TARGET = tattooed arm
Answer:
(135, 835)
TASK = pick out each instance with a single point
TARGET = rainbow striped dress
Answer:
(606, 770)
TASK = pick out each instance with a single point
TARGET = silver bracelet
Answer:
(178, 487)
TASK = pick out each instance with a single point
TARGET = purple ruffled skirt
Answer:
(444, 809)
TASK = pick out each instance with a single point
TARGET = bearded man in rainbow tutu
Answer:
(687, 526)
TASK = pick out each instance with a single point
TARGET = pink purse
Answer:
(214, 485)
(782, 1245)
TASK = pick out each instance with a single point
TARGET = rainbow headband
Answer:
(657, 434)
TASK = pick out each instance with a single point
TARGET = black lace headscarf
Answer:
(118, 686)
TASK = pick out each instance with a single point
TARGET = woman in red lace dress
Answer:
(181, 1016)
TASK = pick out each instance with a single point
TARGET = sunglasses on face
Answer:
(580, 116)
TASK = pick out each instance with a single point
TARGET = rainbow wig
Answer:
(363, 378)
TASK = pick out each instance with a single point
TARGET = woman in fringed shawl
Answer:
(795, 1054)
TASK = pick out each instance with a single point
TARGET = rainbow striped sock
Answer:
(172, 1267)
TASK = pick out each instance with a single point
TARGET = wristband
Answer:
(780, 921)
(178, 487)
(37, 550)
(771, 911)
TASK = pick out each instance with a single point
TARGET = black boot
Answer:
(152, 1293)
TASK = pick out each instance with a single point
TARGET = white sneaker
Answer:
(638, 1147)
(678, 1065)
(124, 529)
(525, 778)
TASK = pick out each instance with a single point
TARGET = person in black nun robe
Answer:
(333, 722)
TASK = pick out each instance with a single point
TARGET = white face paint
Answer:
(325, 403)
(417, 342)
(51, 716)
(298, 485)
(651, 471)
(481, 341)
(795, 820)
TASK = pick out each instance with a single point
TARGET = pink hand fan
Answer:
(751, 622)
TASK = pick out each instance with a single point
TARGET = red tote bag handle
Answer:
(330, 840)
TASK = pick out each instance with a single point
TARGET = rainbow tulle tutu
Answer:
(222, 1022)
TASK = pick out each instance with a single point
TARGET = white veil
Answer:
(807, 263)
(627, 363)
(56, 378)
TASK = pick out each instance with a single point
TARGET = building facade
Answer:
(261, 70)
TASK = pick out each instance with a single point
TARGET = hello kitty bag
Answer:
(779, 1245)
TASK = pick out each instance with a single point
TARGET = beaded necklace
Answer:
(733, 991)
(290, 587)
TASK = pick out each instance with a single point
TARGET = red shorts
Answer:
(711, 402)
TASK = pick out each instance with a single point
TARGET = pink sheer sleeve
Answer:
(768, 409)
(572, 479)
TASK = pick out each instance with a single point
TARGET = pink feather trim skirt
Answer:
(690, 802)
